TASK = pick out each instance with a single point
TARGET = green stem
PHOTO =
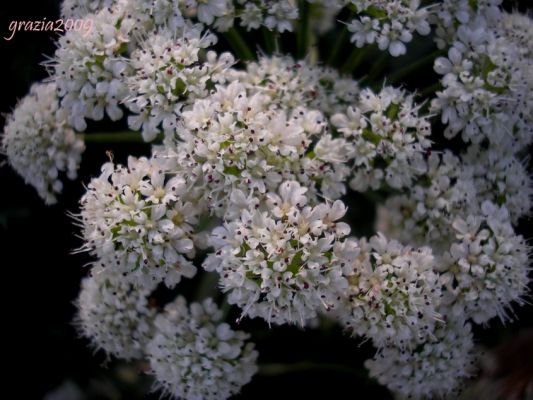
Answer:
(208, 286)
(112, 137)
(377, 68)
(225, 308)
(238, 44)
(332, 58)
(276, 369)
(271, 40)
(409, 69)
(338, 45)
(354, 60)
(304, 30)
(431, 89)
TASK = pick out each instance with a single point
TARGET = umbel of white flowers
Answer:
(265, 153)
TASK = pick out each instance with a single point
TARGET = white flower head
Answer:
(393, 293)
(80, 8)
(282, 263)
(424, 214)
(88, 68)
(194, 355)
(389, 23)
(435, 369)
(389, 137)
(486, 269)
(114, 315)
(487, 82)
(168, 71)
(296, 84)
(236, 140)
(140, 221)
(39, 142)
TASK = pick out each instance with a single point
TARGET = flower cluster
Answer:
(292, 84)
(194, 355)
(39, 142)
(502, 178)
(89, 71)
(166, 71)
(486, 267)
(389, 136)
(424, 213)
(435, 369)
(282, 264)
(80, 8)
(393, 294)
(251, 162)
(448, 15)
(139, 220)
(235, 140)
(115, 315)
(389, 24)
(277, 16)
(487, 83)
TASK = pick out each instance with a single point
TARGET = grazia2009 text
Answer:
(44, 25)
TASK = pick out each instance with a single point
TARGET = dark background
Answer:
(41, 278)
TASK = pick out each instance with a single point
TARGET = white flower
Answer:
(393, 293)
(237, 139)
(448, 15)
(194, 355)
(280, 15)
(389, 23)
(276, 16)
(486, 269)
(140, 221)
(251, 16)
(487, 81)
(424, 214)
(208, 10)
(364, 30)
(295, 84)
(114, 315)
(88, 69)
(502, 178)
(282, 264)
(80, 8)
(389, 138)
(39, 142)
(435, 369)
(167, 71)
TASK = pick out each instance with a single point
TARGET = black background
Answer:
(40, 278)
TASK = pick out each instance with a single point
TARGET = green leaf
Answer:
(244, 249)
(494, 89)
(389, 310)
(225, 144)
(392, 111)
(209, 84)
(371, 136)
(295, 263)
(123, 49)
(232, 170)
(488, 67)
(179, 87)
(376, 12)
(98, 60)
